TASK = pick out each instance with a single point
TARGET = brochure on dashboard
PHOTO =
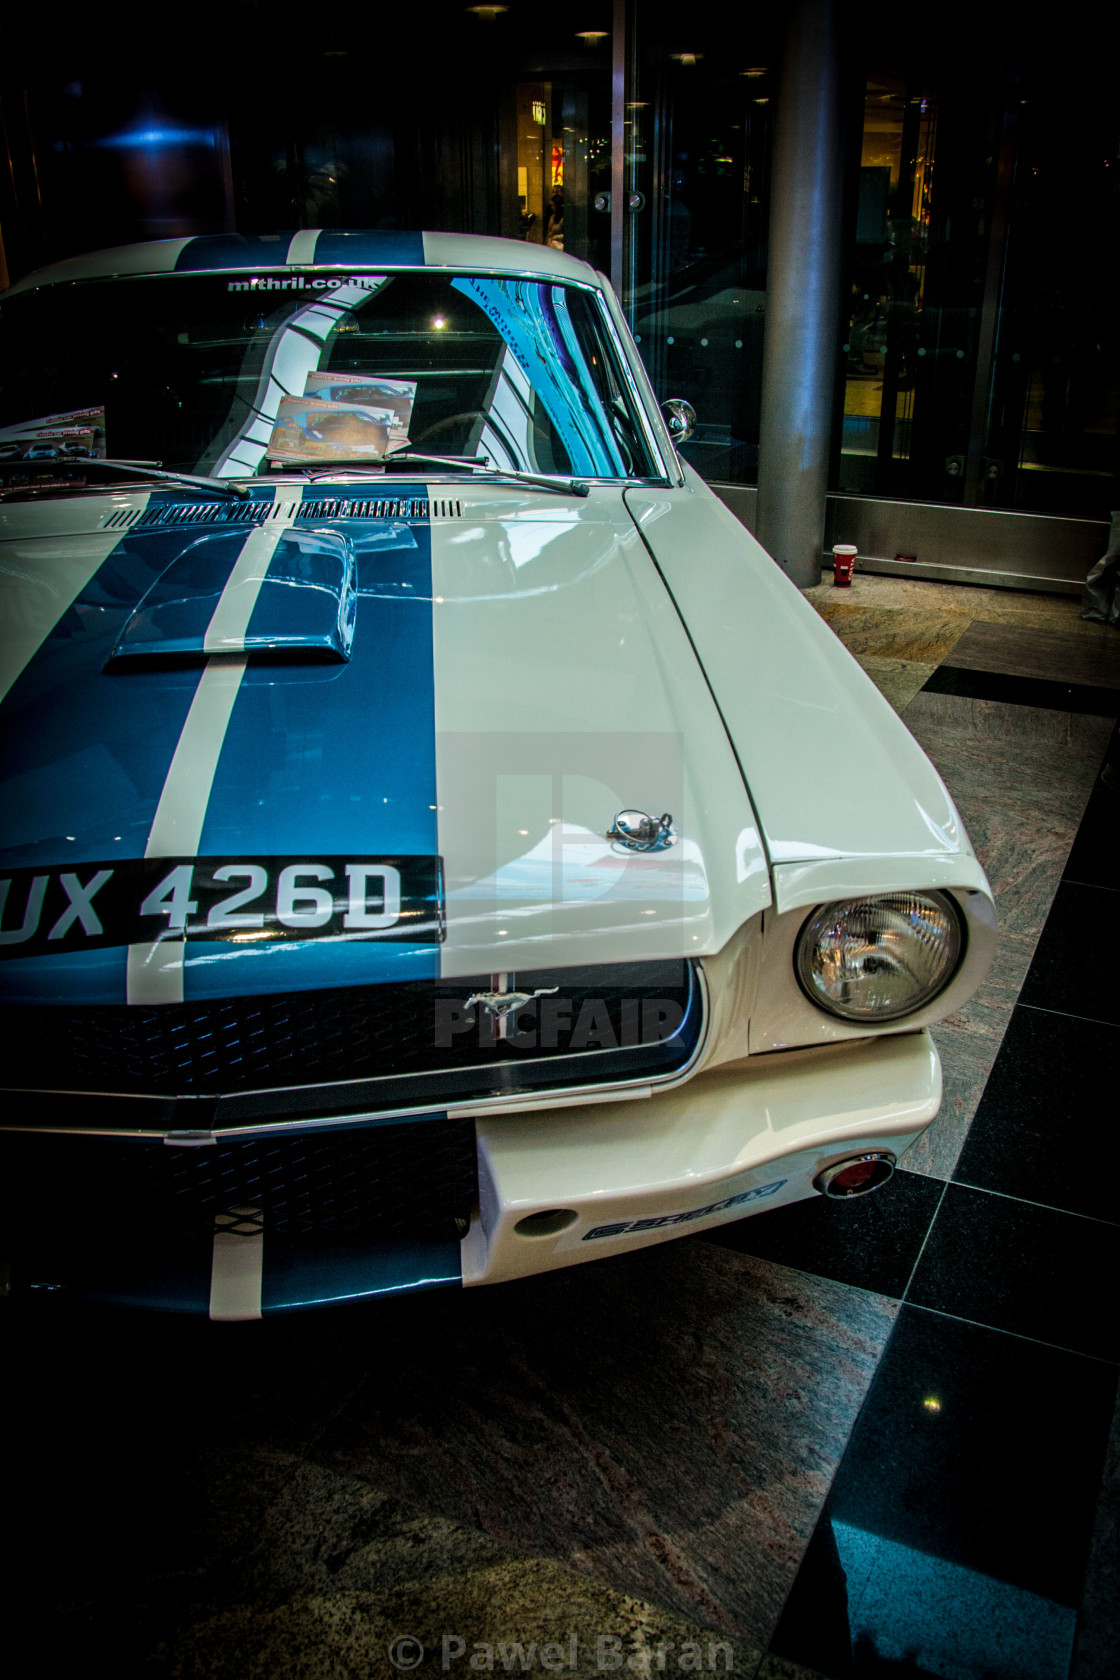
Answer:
(343, 417)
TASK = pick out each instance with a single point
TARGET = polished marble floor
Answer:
(876, 1440)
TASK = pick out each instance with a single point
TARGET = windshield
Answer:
(243, 374)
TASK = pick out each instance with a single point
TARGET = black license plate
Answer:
(236, 900)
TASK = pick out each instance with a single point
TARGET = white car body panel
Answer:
(760, 1131)
(833, 771)
(565, 689)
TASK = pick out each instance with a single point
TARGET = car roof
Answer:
(319, 247)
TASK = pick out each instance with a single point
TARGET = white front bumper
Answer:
(745, 1137)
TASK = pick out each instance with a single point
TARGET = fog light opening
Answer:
(856, 1176)
(547, 1224)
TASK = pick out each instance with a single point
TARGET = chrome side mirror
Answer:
(680, 417)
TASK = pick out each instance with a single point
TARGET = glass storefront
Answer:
(977, 359)
(699, 132)
(563, 163)
(980, 361)
(888, 280)
(1052, 438)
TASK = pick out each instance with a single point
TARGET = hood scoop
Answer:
(212, 599)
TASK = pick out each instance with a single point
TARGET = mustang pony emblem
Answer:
(501, 1006)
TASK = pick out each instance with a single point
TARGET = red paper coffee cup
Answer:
(843, 564)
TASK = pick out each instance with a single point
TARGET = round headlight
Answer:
(875, 959)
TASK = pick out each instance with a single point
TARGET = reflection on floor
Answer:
(836, 1441)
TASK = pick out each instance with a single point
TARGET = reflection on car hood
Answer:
(334, 676)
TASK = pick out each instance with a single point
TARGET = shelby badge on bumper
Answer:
(260, 898)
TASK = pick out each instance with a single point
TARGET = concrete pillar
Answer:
(802, 301)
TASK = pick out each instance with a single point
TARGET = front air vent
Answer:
(259, 513)
(194, 513)
(381, 507)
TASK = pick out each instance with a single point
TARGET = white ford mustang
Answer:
(438, 843)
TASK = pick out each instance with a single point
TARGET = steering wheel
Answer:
(467, 417)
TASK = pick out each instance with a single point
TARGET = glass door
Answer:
(698, 138)
(882, 348)
(1052, 441)
(980, 360)
(562, 141)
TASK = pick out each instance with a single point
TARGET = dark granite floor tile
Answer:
(1041, 1122)
(1093, 859)
(1098, 1620)
(1074, 966)
(667, 1423)
(1025, 691)
(1034, 1271)
(1021, 749)
(1096, 850)
(967, 1052)
(872, 1241)
(955, 1536)
(1021, 650)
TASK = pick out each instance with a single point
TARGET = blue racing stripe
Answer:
(334, 761)
(84, 753)
(234, 250)
(384, 248)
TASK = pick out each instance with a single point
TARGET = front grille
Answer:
(415, 1179)
(413, 1044)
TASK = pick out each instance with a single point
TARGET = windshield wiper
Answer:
(477, 465)
(142, 469)
(481, 465)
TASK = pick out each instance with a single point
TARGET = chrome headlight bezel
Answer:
(907, 904)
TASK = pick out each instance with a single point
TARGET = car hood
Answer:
(332, 683)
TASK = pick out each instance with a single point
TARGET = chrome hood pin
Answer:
(639, 832)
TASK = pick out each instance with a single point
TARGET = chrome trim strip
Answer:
(283, 1090)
